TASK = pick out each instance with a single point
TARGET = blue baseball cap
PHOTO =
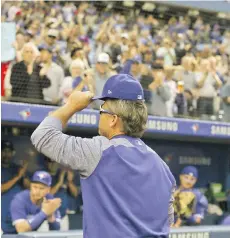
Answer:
(42, 177)
(191, 170)
(121, 86)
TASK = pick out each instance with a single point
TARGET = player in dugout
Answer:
(30, 208)
(127, 188)
(190, 204)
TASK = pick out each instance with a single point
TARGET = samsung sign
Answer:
(84, 119)
(195, 160)
(29, 113)
(159, 125)
(190, 235)
(220, 130)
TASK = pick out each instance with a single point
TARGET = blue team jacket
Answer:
(126, 187)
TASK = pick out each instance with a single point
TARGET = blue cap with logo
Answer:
(123, 87)
(190, 170)
(42, 177)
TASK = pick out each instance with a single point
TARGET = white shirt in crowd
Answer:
(208, 89)
(170, 103)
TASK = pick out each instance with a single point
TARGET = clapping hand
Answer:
(50, 206)
(61, 177)
(23, 169)
(70, 176)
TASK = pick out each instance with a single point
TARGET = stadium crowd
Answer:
(182, 63)
(183, 66)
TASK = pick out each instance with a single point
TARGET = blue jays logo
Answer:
(42, 175)
(168, 158)
(25, 113)
(195, 127)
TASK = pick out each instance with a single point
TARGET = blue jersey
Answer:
(6, 197)
(22, 208)
(126, 187)
(135, 186)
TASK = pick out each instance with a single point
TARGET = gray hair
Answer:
(32, 46)
(76, 63)
(133, 114)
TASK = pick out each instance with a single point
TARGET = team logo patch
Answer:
(42, 175)
(168, 158)
(195, 128)
(25, 113)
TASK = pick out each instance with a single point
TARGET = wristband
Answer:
(37, 220)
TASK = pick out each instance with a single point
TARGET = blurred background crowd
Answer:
(182, 59)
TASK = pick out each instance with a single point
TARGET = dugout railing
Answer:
(183, 232)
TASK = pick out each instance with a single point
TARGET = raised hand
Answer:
(70, 176)
(50, 206)
(23, 169)
(79, 100)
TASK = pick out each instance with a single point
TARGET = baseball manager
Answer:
(127, 188)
